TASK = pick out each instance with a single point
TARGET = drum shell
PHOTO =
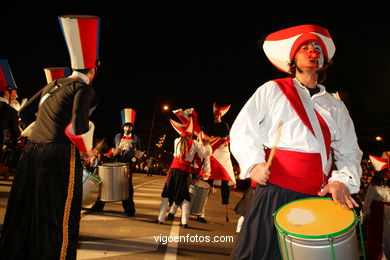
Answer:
(345, 247)
(115, 181)
(90, 183)
(199, 191)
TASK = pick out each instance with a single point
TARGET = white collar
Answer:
(80, 75)
(4, 100)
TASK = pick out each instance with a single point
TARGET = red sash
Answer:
(298, 171)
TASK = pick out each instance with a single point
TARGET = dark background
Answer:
(191, 54)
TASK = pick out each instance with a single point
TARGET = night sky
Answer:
(192, 54)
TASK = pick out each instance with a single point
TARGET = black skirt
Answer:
(176, 189)
(258, 238)
(44, 205)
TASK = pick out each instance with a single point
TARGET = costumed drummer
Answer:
(9, 129)
(376, 210)
(126, 143)
(220, 163)
(44, 205)
(176, 188)
(200, 167)
(301, 121)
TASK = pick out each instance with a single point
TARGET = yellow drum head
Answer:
(314, 217)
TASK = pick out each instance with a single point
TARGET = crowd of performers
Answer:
(292, 140)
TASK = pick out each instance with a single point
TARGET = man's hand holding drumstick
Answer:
(260, 172)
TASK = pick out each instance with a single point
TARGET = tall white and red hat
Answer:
(7, 81)
(82, 33)
(188, 124)
(280, 47)
(220, 110)
(54, 73)
(128, 116)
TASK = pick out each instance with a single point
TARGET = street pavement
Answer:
(111, 234)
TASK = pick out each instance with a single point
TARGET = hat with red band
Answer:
(220, 110)
(6, 78)
(82, 33)
(128, 116)
(280, 47)
(54, 73)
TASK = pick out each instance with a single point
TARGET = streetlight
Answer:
(378, 139)
(165, 108)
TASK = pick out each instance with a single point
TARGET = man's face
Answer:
(127, 129)
(310, 56)
(217, 118)
(14, 94)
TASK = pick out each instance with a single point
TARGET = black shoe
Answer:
(97, 208)
(170, 216)
(130, 214)
(201, 219)
(159, 222)
(184, 225)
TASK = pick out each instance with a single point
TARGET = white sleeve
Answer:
(202, 150)
(246, 142)
(347, 153)
(206, 165)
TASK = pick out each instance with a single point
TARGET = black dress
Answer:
(44, 205)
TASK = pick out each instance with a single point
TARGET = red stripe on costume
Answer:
(218, 172)
(325, 132)
(89, 39)
(286, 85)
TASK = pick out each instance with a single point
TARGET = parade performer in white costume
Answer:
(220, 163)
(312, 125)
(176, 188)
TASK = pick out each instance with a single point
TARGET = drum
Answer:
(199, 190)
(115, 181)
(316, 228)
(90, 186)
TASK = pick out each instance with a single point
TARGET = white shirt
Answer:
(196, 147)
(256, 125)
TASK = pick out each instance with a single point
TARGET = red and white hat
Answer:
(82, 34)
(220, 110)
(128, 116)
(54, 73)
(280, 47)
(379, 163)
(186, 115)
(6, 78)
(83, 142)
(183, 129)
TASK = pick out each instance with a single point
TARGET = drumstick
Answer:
(273, 150)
